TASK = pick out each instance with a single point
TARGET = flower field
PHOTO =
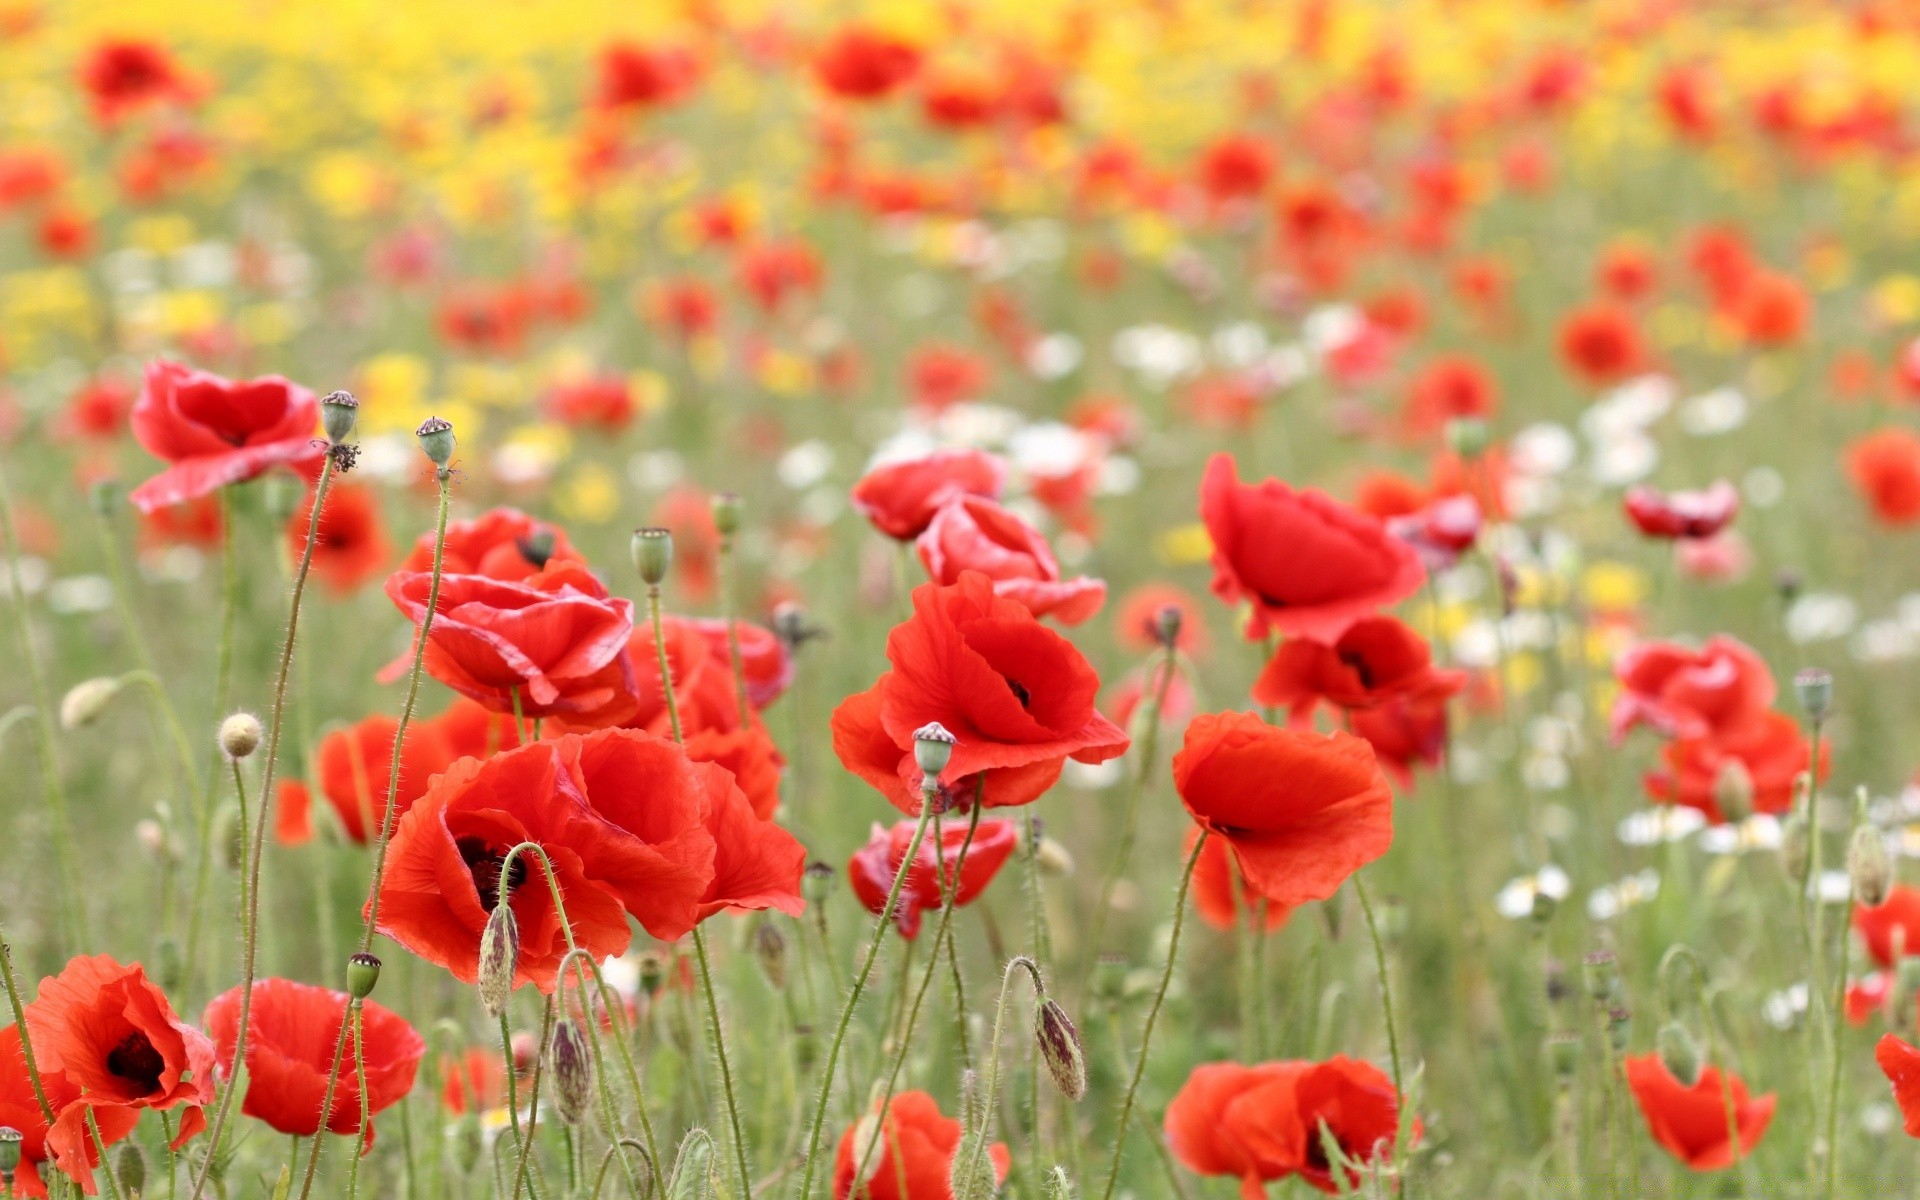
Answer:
(906, 601)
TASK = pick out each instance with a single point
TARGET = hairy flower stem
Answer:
(1836, 1028)
(666, 668)
(520, 1180)
(727, 615)
(1038, 936)
(1386, 1008)
(72, 911)
(978, 1145)
(20, 1023)
(1153, 1015)
(250, 908)
(222, 699)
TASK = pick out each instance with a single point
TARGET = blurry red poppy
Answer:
(291, 1032)
(635, 76)
(475, 1081)
(1601, 344)
(20, 1109)
(501, 543)
(939, 376)
(912, 1156)
(1136, 623)
(1885, 468)
(215, 431)
(1263, 1123)
(1891, 930)
(1234, 167)
(1018, 697)
(1626, 270)
(1683, 692)
(603, 404)
(351, 548)
(124, 75)
(1308, 565)
(1688, 515)
(1900, 1063)
(1377, 659)
(862, 63)
(99, 408)
(900, 498)
(872, 868)
(195, 522)
(1449, 387)
(1692, 1123)
(684, 307)
(1769, 748)
(1302, 810)
(1771, 309)
(972, 533)
(774, 272)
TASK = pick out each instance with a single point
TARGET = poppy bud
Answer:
(1563, 1052)
(866, 1151)
(1060, 1049)
(363, 974)
(1468, 436)
(10, 1139)
(87, 700)
(693, 1168)
(817, 883)
(499, 956)
(932, 749)
(1868, 866)
(435, 436)
(652, 554)
(536, 547)
(240, 735)
(1814, 687)
(169, 964)
(1602, 974)
(1053, 858)
(467, 1143)
(1619, 1028)
(1167, 623)
(1058, 1184)
(653, 972)
(1796, 847)
(726, 513)
(104, 496)
(1679, 1052)
(770, 949)
(130, 1167)
(971, 1174)
(572, 1061)
(1733, 790)
(338, 411)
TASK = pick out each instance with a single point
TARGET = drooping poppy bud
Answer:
(572, 1061)
(1060, 1049)
(1679, 1052)
(499, 958)
(240, 735)
(1869, 867)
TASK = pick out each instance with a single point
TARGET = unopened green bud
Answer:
(1058, 1184)
(817, 883)
(338, 411)
(363, 975)
(572, 1061)
(87, 700)
(1733, 791)
(1796, 847)
(1679, 1052)
(1601, 971)
(727, 511)
(499, 959)
(240, 735)
(652, 554)
(1619, 1029)
(971, 1173)
(1869, 867)
(1060, 1049)
(435, 436)
(932, 749)
(1167, 623)
(130, 1168)
(1468, 436)
(653, 971)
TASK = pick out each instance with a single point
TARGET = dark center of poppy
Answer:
(136, 1061)
(1357, 663)
(483, 863)
(1020, 693)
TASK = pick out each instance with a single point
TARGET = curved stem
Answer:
(1153, 1015)
(726, 1070)
(978, 1146)
(1386, 1005)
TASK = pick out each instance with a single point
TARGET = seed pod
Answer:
(770, 950)
(572, 1061)
(1563, 1052)
(1679, 1052)
(1060, 1049)
(130, 1168)
(932, 749)
(817, 883)
(537, 547)
(240, 735)
(1619, 1028)
(1796, 847)
(1167, 623)
(652, 554)
(87, 700)
(1869, 867)
(499, 959)
(338, 411)
(1733, 790)
(435, 436)
(363, 974)
(1814, 687)
(971, 1174)
(10, 1139)
(726, 513)
(1602, 974)
(1468, 437)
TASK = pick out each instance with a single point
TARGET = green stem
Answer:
(978, 1145)
(726, 1069)
(1130, 821)
(666, 671)
(1386, 1008)
(222, 699)
(20, 1023)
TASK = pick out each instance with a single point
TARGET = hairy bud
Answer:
(1733, 790)
(1796, 847)
(770, 950)
(87, 700)
(971, 1175)
(240, 735)
(1060, 1049)
(572, 1061)
(1869, 867)
(499, 958)
(1679, 1052)
(130, 1168)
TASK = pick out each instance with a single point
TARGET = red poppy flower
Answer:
(1885, 469)
(756, 864)
(473, 1082)
(602, 405)
(115, 1037)
(1308, 565)
(20, 1109)
(99, 409)
(1356, 1103)
(700, 657)
(353, 765)
(1627, 271)
(292, 813)
(901, 498)
(1689, 515)
(1235, 167)
(1895, 923)
(291, 1032)
(1691, 1122)
(1601, 344)
(1682, 692)
(1769, 747)
(621, 814)
(862, 63)
(913, 1157)
(1406, 732)
(1220, 892)
(1263, 1123)
(1771, 309)
(1449, 387)
(352, 546)
(123, 75)
(556, 640)
(1136, 626)
(214, 431)
(1375, 660)
(1301, 810)
(773, 272)
(872, 868)
(501, 543)
(688, 512)
(971, 533)
(1018, 697)
(196, 522)
(1441, 532)
(684, 307)
(940, 376)
(633, 76)
(748, 755)
(1900, 1063)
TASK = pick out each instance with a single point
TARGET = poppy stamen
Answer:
(483, 863)
(135, 1060)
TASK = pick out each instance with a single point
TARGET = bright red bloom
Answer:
(115, 1037)
(1885, 468)
(1302, 810)
(1691, 1122)
(685, 307)
(1442, 531)
(1682, 692)
(352, 546)
(916, 1144)
(862, 63)
(1405, 732)
(1690, 515)
(353, 764)
(1136, 626)
(1377, 659)
(99, 408)
(1018, 697)
(1771, 309)
(291, 1031)
(1220, 892)
(1900, 1063)
(20, 1109)
(622, 814)
(474, 1082)
(1895, 923)
(901, 498)
(214, 431)
(501, 543)
(557, 641)
(1626, 270)
(771, 272)
(1450, 387)
(1601, 344)
(602, 404)
(1235, 167)
(1263, 1123)
(1308, 565)
(940, 376)
(632, 76)
(872, 867)
(757, 865)
(122, 76)
(972, 533)
(1769, 747)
